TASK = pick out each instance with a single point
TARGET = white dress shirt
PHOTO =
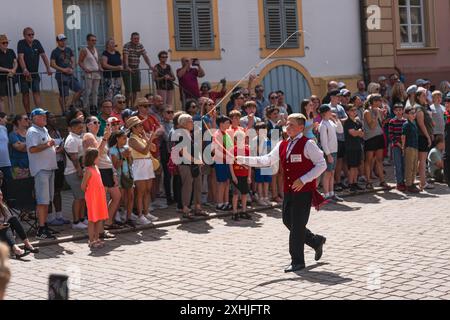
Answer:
(311, 152)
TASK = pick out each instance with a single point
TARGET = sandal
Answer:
(201, 213)
(107, 235)
(188, 215)
(384, 185)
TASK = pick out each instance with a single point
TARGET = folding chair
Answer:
(21, 201)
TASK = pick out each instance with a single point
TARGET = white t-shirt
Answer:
(4, 151)
(73, 144)
(104, 161)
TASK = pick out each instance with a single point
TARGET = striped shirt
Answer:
(134, 53)
(395, 130)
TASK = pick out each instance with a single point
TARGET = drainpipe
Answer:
(364, 40)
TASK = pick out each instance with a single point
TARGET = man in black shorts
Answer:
(29, 52)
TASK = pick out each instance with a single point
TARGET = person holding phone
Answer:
(188, 79)
(10, 224)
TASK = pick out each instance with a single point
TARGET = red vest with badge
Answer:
(296, 165)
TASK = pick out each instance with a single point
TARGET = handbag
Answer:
(126, 181)
(156, 164)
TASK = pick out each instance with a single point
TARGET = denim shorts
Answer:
(44, 186)
(67, 83)
(332, 166)
(74, 182)
(223, 173)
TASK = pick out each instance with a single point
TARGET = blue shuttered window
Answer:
(281, 19)
(194, 28)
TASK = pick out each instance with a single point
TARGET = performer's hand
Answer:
(298, 185)
(235, 180)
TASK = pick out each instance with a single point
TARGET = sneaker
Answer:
(338, 187)
(413, 189)
(44, 234)
(85, 221)
(64, 221)
(151, 208)
(134, 217)
(337, 198)
(268, 202)
(353, 188)
(79, 226)
(123, 216)
(55, 222)
(261, 202)
(428, 186)
(160, 205)
(362, 179)
(387, 163)
(142, 221)
(118, 219)
(151, 217)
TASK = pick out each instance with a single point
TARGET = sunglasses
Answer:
(95, 123)
(170, 112)
(273, 98)
(6, 42)
(194, 106)
(30, 34)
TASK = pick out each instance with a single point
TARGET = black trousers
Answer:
(447, 168)
(296, 211)
(177, 191)
(167, 177)
(6, 235)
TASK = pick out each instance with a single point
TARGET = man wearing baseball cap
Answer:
(62, 60)
(42, 157)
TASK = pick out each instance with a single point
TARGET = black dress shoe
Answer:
(294, 268)
(34, 250)
(319, 249)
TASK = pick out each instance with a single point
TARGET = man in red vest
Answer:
(302, 162)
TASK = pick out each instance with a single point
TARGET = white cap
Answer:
(61, 37)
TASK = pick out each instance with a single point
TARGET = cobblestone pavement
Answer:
(380, 246)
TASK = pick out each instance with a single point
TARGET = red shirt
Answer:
(189, 84)
(240, 171)
(151, 124)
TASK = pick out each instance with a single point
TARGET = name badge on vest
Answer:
(296, 158)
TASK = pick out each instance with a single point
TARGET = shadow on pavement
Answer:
(52, 252)
(339, 207)
(242, 223)
(198, 227)
(322, 277)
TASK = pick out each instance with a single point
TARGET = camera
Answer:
(195, 62)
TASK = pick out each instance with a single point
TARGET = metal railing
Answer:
(107, 88)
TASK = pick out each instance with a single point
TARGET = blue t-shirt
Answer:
(412, 135)
(31, 54)
(114, 151)
(18, 158)
(63, 59)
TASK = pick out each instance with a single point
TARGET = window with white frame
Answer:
(412, 26)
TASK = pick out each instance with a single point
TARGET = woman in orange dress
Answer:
(95, 196)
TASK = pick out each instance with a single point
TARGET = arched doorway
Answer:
(289, 77)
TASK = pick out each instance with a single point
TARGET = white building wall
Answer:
(332, 37)
(19, 14)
